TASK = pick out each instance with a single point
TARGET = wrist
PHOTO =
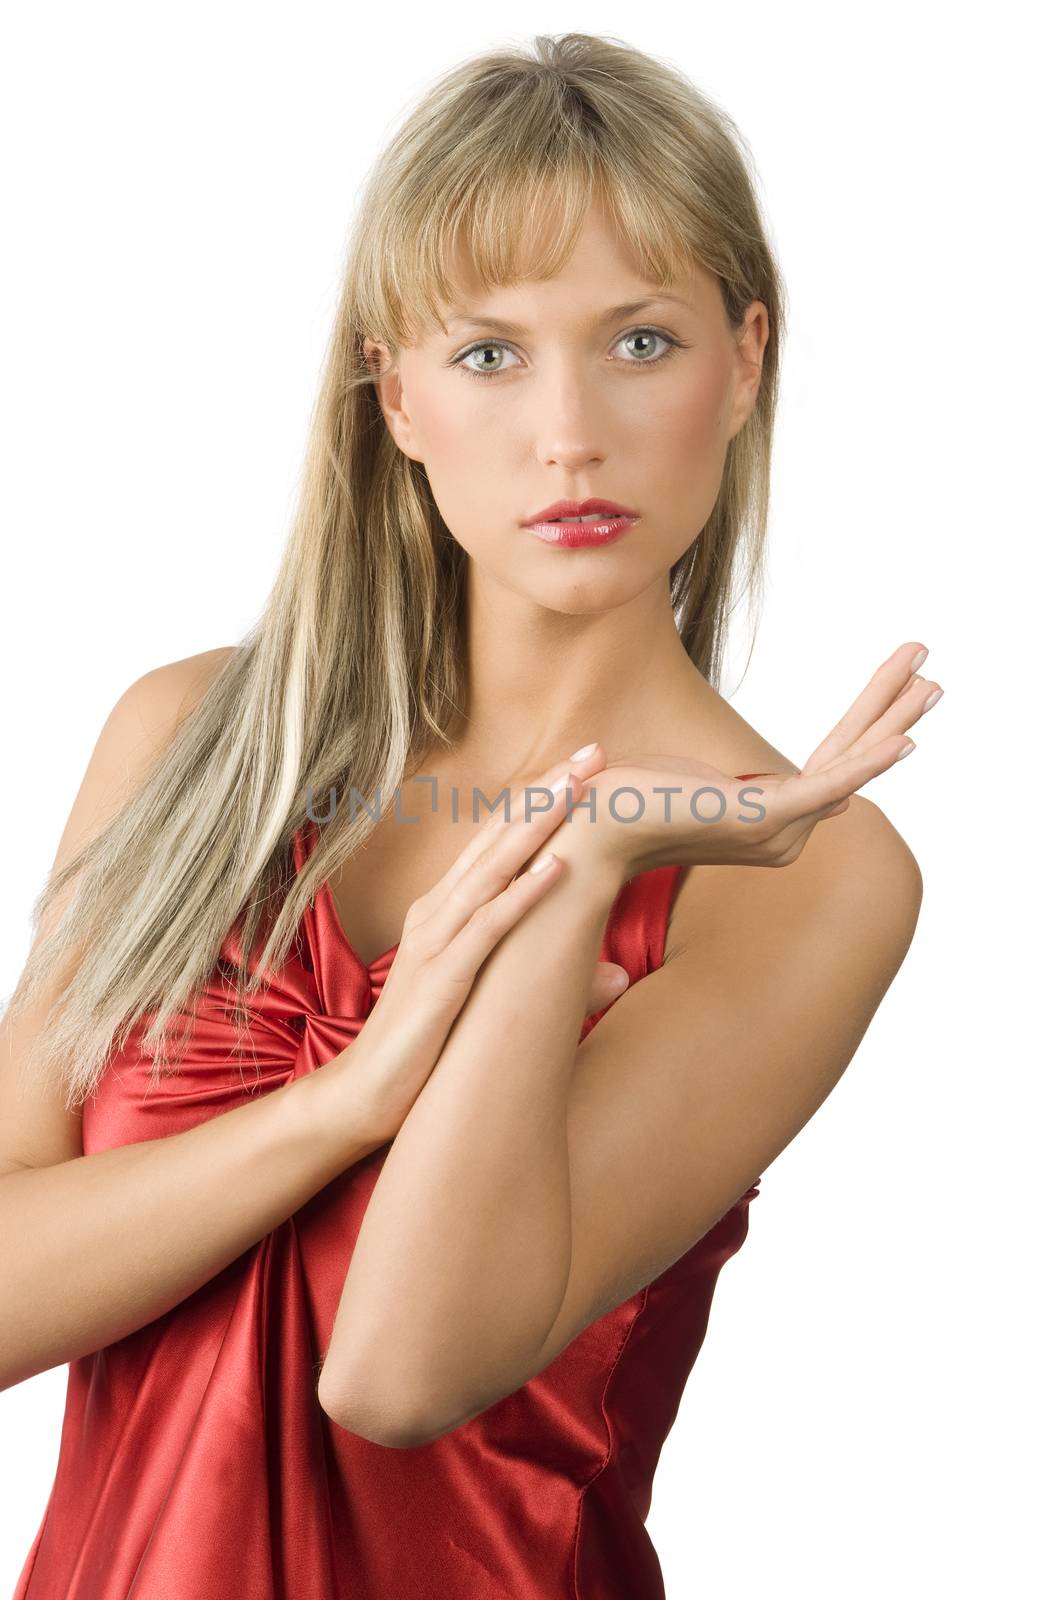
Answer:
(601, 845)
(592, 854)
(334, 1114)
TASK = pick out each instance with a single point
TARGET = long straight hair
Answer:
(355, 670)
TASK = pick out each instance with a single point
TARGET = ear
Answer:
(387, 382)
(750, 344)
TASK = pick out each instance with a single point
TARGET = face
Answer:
(571, 400)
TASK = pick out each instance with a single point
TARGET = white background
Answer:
(874, 1411)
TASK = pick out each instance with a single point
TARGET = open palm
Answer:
(662, 809)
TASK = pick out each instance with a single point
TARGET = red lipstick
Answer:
(605, 522)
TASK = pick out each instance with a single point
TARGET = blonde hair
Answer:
(354, 670)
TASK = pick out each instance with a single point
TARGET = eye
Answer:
(658, 334)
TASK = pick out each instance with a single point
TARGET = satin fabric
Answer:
(195, 1462)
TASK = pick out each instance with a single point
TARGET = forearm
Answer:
(94, 1248)
(462, 1259)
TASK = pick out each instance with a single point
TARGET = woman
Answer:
(381, 1274)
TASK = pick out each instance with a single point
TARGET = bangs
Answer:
(497, 228)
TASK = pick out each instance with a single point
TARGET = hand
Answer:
(447, 936)
(711, 818)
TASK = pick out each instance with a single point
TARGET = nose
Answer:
(572, 423)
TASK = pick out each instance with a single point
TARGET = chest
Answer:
(417, 842)
(400, 862)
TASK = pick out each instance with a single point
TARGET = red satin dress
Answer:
(195, 1461)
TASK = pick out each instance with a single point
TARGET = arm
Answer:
(95, 1247)
(464, 1250)
(505, 1220)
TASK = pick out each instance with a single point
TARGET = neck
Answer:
(542, 683)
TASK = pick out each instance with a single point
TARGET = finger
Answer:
(871, 704)
(483, 869)
(493, 858)
(608, 984)
(905, 712)
(529, 804)
(590, 758)
(472, 942)
(499, 849)
(803, 795)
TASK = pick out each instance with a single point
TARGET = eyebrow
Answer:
(627, 309)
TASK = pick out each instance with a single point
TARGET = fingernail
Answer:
(562, 783)
(542, 864)
(932, 699)
(909, 747)
(578, 755)
(918, 662)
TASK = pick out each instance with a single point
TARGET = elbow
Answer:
(363, 1410)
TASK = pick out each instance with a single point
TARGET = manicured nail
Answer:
(909, 747)
(578, 755)
(932, 699)
(568, 780)
(542, 863)
(918, 662)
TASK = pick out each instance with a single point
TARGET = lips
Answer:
(579, 508)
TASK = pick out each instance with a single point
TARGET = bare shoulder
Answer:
(855, 878)
(141, 723)
(854, 866)
(166, 693)
(36, 1128)
(138, 727)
